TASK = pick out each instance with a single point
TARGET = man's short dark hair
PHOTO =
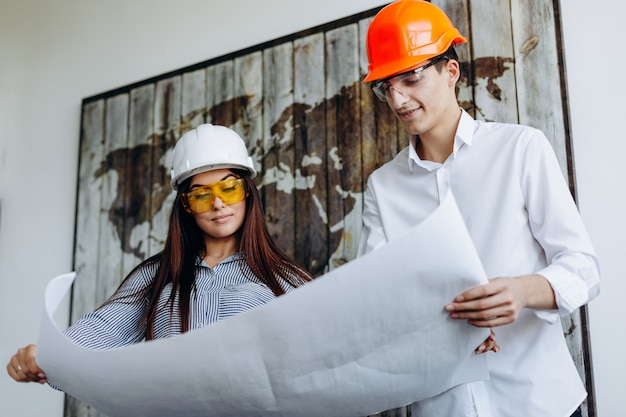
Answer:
(450, 54)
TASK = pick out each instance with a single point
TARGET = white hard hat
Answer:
(209, 147)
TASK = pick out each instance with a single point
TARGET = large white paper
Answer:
(369, 336)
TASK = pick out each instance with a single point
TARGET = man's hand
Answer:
(501, 300)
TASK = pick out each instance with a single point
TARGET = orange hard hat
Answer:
(406, 33)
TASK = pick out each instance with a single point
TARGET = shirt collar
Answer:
(234, 257)
(464, 135)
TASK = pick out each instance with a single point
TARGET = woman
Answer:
(218, 261)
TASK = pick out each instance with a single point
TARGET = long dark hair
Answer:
(177, 262)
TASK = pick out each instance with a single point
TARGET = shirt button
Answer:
(199, 325)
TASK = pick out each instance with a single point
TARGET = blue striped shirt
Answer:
(219, 293)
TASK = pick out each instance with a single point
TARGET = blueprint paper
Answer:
(369, 336)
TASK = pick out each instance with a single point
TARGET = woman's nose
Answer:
(218, 203)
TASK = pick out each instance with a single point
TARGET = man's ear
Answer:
(453, 69)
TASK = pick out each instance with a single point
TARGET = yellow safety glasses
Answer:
(200, 199)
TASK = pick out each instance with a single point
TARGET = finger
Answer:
(492, 339)
(16, 371)
(31, 368)
(491, 322)
(34, 375)
(33, 371)
(480, 291)
(480, 304)
(482, 312)
(12, 371)
(486, 299)
(483, 347)
(14, 363)
(487, 347)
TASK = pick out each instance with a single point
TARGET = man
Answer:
(514, 201)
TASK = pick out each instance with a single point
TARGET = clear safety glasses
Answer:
(200, 199)
(403, 83)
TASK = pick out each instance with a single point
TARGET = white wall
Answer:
(596, 92)
(54, 54)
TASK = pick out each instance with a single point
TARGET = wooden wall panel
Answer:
(277, 147)
(88, 204)
(248, 91)
(539, 72)
(224, 108)
(459, 13)
(311, 154)
(137, 198)
(113, 210)
(194, 99)
(344, 143)
(495, 97)
(167, 129)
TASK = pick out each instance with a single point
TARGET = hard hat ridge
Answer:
(209, 147)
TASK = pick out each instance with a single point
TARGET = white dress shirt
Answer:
(522, 220)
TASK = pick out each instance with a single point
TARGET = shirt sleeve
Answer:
(118, 322)
(573, 268)
(373, 234)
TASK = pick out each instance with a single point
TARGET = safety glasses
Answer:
(403, 83)
(200, 199)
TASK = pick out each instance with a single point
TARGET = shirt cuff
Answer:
(574, 284)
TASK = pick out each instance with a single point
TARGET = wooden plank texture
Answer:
(458, 11)
(248, 105)
(344, 145)
(538, 72)
(113, 210)
(278, 152)
(309, 115)
(137, 177)
(193, 100)
(495, 96)
(224, 109)
(87, 216)
(167, 129)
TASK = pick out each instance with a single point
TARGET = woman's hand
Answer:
(488, 344)
(23, 367)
